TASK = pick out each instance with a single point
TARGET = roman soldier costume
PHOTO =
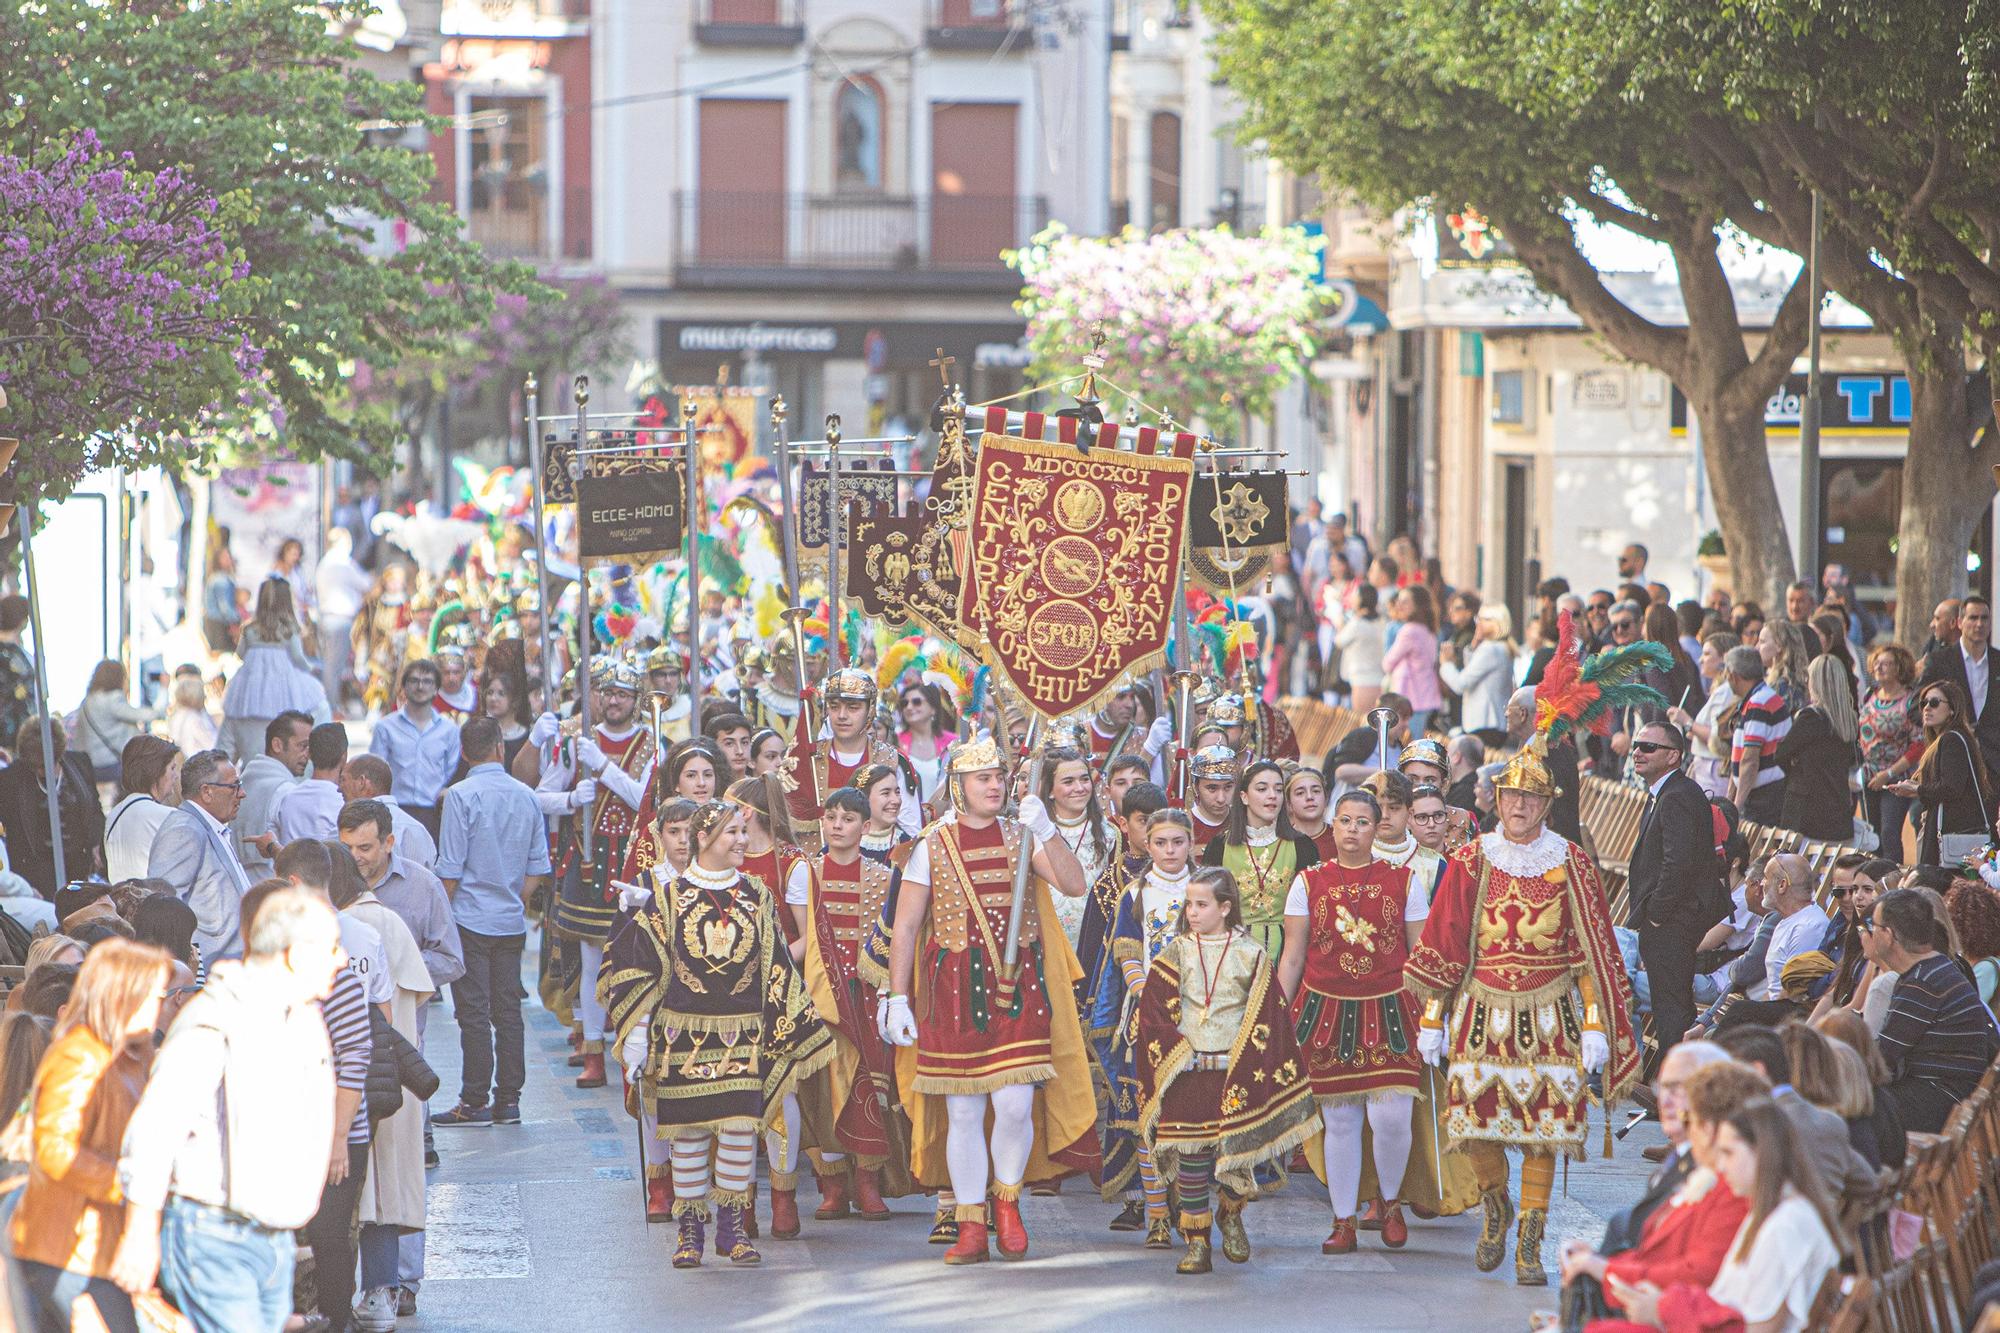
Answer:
(586, 906)
(731, 1030)
(1213, 763)
(982, 1033)
(1354, 1021)
(832, 770)
(843, 901)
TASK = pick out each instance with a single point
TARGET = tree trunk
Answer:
(1746, 501)
(1947, 489)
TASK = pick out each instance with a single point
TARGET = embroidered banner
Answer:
(1239, 511)
(1072, 563)
(867, 484)
(725, 423)
(881, 562)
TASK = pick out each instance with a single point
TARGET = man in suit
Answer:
(1822, 1135)
(1970, 664)
(196, 854)
(1676, 877)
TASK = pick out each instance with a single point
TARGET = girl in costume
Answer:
(730, 1031)
(1222, 1088)
(884, 839)
(1070, 791)
(1305, 807)
(1149, 916)
(1260, 848)
(767, 751)
(276, 676)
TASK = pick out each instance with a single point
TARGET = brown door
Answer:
(973, 209)
(741, 185)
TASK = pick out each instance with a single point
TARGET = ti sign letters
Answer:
(1847, 402)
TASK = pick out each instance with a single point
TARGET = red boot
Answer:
(832, 1197)
(659, 1199)
(593, 1071)
(784, 1214)
(1007, 1229)
(970, 1248)
(868, 1194)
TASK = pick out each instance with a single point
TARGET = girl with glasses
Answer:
(926, 732)
(1951, 784)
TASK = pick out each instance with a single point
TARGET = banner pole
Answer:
(692, 519)
(789, 529)
(546, 615)
(51, 770)
(584, 818)
(836, 513)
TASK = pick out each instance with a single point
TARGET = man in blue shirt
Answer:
(493, 850)
(420, 745)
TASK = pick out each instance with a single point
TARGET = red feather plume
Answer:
(1564, 695)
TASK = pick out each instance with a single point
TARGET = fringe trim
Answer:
(737, 1123)
(936, 1085)
(659, 1170)
(1371, 1095)
(699, 1207)
(871, 972)
(801, 1070)
(784, 1180)
(749, 1025)
(1197, 1221)
(1010, 1193)
(722, 1198)
(1576, 1150)
(1547, 993)
(1237, 1155)
(968, 1212)
(593, 1046)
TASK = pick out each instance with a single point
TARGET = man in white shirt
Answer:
(311, 808)
(1788, 889)
(342, 586)
(367, 778)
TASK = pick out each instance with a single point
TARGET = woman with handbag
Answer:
(1951, 784)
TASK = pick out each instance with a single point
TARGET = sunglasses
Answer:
(1624, 625)
(1652, 747)
(1934, 702)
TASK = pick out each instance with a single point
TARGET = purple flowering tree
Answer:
(1206, 324)
(121, 314)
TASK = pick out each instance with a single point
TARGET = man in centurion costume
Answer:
(597, 781)
(1525, 999)
(848, 697)
(774, 703)
(979, 1038)
(1110, 731)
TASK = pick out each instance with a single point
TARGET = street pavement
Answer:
(540, 1226)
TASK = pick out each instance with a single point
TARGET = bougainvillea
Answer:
(121, 312)
(1206, 324)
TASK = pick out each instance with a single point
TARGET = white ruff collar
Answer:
(1397, 853)
(1525, 859)
(784, 705)
(713, 880)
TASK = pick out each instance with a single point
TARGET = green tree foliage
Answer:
(255, 100)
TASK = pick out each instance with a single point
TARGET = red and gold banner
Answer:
(1072, 563)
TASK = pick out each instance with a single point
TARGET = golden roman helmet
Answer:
(614, 672)
(975, 756)
(1528, 771)
(1226, 711)
(1424, 750)
(1072, 732)
(510, 628)
(850, 685)
(1213, 763)
(1206, 692)
(669, 656)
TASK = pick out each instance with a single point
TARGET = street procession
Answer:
(752, 663)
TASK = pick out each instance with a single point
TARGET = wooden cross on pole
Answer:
(944, 364)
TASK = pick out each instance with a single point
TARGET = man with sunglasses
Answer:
(1675, 880)
(195, 854)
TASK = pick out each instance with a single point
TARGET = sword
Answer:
(1437, 1144)
(1177, 774)
(1010, 960)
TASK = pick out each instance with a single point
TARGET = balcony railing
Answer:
(978, 25)
(733, 238)
(757, 23)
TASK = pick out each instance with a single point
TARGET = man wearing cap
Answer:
(601, 778)
(1424, 763)
(1525, 998)
(978, 1039)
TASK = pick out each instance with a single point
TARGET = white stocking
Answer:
(1343, 1155)
(1013, 1132)
(965, 1146)
(1390, 1122)
(589, 1007)
(781, 1146)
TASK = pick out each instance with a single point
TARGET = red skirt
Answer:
(1357, 1048)
(975, 1035)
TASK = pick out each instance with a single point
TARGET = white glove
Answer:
(1430, 1045)
(631, 896)
(544, 730)
(584, 794)
(1596, 1052)
(899, 1025)
(1158, 735)
(589, 755)
(1035, 818)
